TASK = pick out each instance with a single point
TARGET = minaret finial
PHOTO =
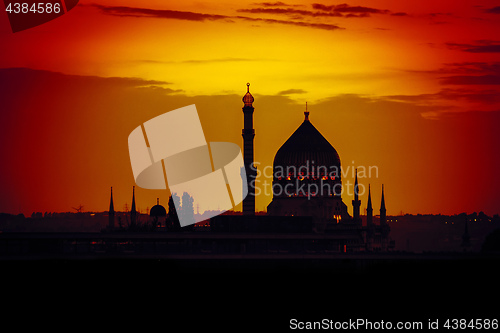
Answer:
(306, 113)
(248, 98)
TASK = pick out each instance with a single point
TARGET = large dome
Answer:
(307, 145)
(307, 165)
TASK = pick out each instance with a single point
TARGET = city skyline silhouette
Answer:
(324, 212)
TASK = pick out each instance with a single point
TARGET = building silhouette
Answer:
(306, 215)
(307, 178)
(307, 181)
(248, 134)
(158, 213)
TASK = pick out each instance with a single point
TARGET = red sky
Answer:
(412, 88)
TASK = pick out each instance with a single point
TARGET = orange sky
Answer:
(412, 88)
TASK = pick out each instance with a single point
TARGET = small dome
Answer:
(158, 210)
(248, 98)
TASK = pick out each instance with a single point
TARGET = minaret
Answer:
(133, 212)
(111, 214)
(369, 222)
(356, 203)
(384, 227)
(383, 216)
(248, 134)
(369, 209)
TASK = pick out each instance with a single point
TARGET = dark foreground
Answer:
(118, 283)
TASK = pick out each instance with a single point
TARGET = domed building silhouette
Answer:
(306, 216)
(307, 177)
(158, 213)
(307, 190)
(158, 210)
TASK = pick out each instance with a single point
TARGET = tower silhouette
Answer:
(370, 228)
(369, 209)
(133, 211)
(383, 212)
(111, 214)
(356, 203)
(384, 227)
(248, 134)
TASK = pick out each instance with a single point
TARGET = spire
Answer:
(111, 215)
(383, 216)
(111, 205)
(356, 203)
(133, 199)
(382, 203)
(369, 209)
(157, 201)
(369, 204)
(356, 186)
(133, 212)
(306, 114)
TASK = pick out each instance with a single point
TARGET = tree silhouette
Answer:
(187, 210)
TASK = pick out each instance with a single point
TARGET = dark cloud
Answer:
(158, 13)
(345, 8)
(468, 73)
(292, 91)
(320, 10)
(471, 80)
(275, 4)
(489, 96)
(480, 46)
(494, 10)
(45, 77)
(288, 11)
(471, 68)
(200, 17)
(323, 26)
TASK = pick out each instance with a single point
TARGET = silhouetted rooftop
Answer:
(307, 144)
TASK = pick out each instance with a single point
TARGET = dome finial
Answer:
(306, 113)
(248, 98)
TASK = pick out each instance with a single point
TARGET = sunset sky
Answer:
(411, 87)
